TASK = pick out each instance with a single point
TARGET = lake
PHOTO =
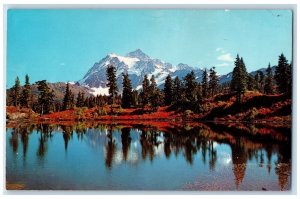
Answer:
(95, 156)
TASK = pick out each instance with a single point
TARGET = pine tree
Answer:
(15, 94)
(25, 97)
(154, 94)
(91, 101)
(213, 81)
(145, 91)
(135, 98)
(78, 100)
(239, 79)
(168, 90)
(283, 75)
(190, 87)
(67, 98)
(268, 88)
(45, 98)
(82, 98)
(250, 83)
(112, 82)
(72, 100)
(127, 92)
(178, 91)
(259, 81)
(199, 93)
(204, 84)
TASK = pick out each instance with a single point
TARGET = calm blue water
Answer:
(101, 157)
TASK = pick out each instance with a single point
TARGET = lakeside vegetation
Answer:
(264, 97)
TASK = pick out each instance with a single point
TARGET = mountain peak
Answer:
(138, 53)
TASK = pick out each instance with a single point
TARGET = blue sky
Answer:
(61, 45)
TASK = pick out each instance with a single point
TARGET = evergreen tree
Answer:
(25, 97)
(259, 80)
(168, 91)
(145, 91)
(127, 92)
(154, 94)
(78, 100)
(72, 100)
(178, 91)
(251, 83)
(15, 94)
(199, 93)
(204, 84)
(135, 98)
(268, 88)
(112, 82)
(213, 81)
(239, 79)
(67, 101)
(91, 101)
(45, 98)
(283, 75)
(190, 87)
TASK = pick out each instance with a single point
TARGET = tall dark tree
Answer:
(250, 83)
(79, 99)
(72, 100)
(283, 75)
(239, 79)
(190, 87)
(15, 94)
(67, 101)
(155, 96)
(204, 83)
(168, 91)
(45, 98)
(199, 93)
(178, 91)
(259, 81)
(127, 92)
(112, 82)
(135, 98)
(25, 96)
(268, 88)
(145, 91)
(213, 81)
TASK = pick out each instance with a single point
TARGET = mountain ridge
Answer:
(137, 64)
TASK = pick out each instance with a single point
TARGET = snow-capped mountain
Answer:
(136, 64)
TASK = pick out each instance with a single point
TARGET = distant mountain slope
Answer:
(59, 89)
(136, 64)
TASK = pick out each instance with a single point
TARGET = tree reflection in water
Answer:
(126, 140)
(45, 131)
(247, 143)
(110, 148)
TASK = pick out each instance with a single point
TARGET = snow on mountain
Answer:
(136, 64)
(99, 91)
(129, 61)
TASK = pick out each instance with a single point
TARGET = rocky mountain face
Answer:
(136, 64)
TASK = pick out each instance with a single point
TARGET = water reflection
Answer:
(267, 147)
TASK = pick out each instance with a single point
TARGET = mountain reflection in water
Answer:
(205, 156)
